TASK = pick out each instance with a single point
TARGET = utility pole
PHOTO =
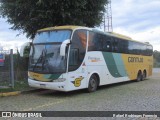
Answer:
(108, 18)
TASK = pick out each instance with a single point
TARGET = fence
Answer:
(12, 68)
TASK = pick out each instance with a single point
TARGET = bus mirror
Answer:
(63, 47)
(25, 49)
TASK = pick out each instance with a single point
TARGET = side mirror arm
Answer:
(63, 47)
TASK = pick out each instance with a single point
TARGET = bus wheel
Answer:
(93, 84)
(139, 76)
(144, 75)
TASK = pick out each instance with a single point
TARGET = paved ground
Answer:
(129, 96)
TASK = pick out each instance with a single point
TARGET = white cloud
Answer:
(152, 36)
(138, 19)
(8, 37)
(127, 13)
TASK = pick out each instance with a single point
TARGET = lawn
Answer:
(19, 86)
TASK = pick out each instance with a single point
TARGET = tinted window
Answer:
(77, 49)
(99, 42)
(115, 45)
(95, 41)
(107, 44)
(102, 42)
(139, 48)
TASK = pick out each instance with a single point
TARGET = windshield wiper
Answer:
(41, 57)
(44, 59)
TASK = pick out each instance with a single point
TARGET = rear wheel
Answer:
(139, 76)
(144, 75)
(93, 83)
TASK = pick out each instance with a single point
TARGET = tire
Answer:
(139, 76)
(144, 75)
(93, 84)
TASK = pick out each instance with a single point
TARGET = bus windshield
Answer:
(52, 36)
(45, 52)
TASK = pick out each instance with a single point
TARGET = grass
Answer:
(19, 86)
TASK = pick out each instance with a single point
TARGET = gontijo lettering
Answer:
(135, 59)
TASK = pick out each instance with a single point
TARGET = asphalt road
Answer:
(128, 96)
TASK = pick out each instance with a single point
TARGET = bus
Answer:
(67, 58)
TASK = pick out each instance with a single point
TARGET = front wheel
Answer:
(93, 84)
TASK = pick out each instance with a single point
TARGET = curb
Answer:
(18, 92)
(31, 90)
(10, 93)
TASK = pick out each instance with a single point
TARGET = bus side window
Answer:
(115, 45)
(107, 46)
(83, 38)
(95, 42)
(149, 50)
(98, 42)
(91, 41)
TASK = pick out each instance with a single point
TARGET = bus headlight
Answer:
(29, 76)
(59, 80)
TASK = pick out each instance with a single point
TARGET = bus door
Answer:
(77, 67)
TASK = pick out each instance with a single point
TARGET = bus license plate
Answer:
(43, 85)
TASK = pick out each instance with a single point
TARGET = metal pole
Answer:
(12, 68)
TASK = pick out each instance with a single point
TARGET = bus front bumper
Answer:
(58, 86)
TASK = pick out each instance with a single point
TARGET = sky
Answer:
(10, 39)
(138, 19)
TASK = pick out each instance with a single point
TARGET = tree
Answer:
(156, 56)
(28, 16)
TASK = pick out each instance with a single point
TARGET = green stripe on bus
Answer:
(110, 62)
(120, 64)
(53, 76)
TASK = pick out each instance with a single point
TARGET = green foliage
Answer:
(20, 85)
(20, 63)
(26, 52)
(31, 15)
(156, 56)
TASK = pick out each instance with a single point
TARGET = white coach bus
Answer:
(67, 58)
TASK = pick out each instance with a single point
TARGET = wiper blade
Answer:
(43, 54)
(43, 59)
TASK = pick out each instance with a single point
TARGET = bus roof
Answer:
(120, 36)
(117, 35)
(72, 27)
(126, 37)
